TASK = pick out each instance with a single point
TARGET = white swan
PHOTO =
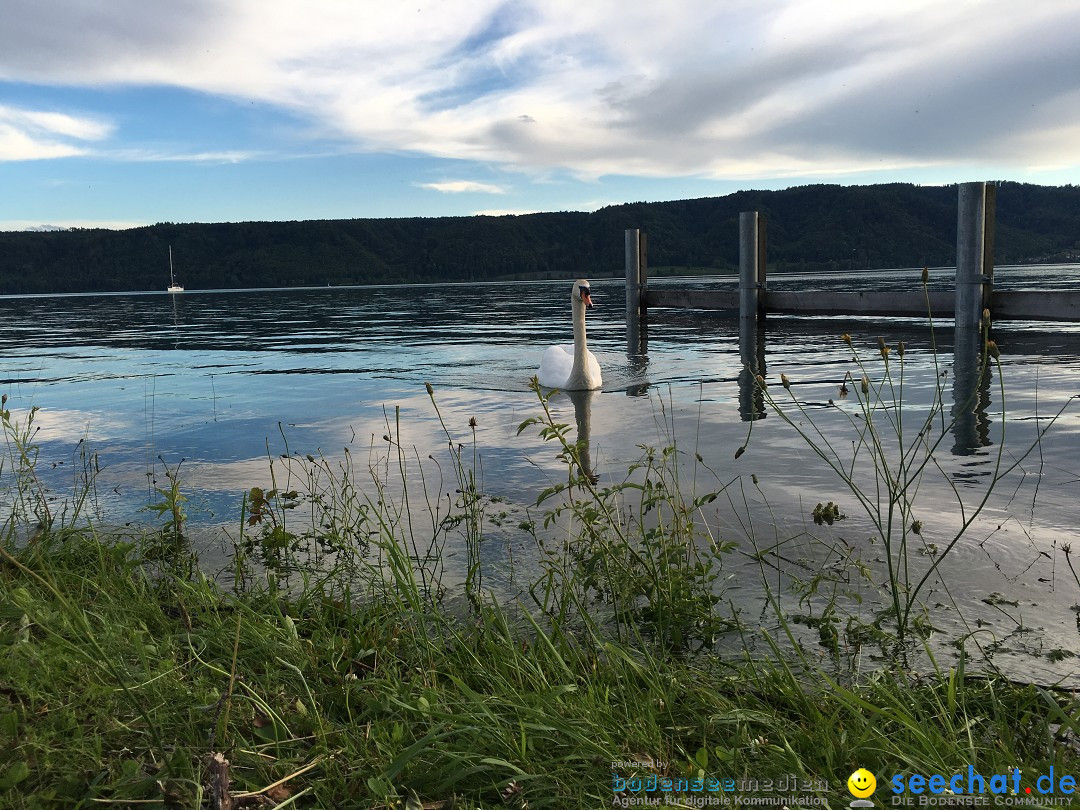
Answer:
(572, 368)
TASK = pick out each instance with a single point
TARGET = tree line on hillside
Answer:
(819, 227)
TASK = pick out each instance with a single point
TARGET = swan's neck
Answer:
(580, 348)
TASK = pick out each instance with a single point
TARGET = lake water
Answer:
(222, 380)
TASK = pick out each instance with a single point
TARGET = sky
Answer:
(134, 112)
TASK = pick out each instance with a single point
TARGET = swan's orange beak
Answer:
(586, 298)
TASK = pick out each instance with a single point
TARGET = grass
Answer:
(333, 665)
(119, 682)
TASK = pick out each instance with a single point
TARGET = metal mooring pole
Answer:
(974, 252)
(751, 261)
(633, 275)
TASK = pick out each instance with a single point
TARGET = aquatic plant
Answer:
(641, 546)
(25, 498)
(171, 505)
(888, 457)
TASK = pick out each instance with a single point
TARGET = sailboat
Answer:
(173, 286)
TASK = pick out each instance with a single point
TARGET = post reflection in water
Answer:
(971, 393)
(752, 356)
(583, 401)
(637, 353)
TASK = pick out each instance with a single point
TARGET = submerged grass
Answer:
(340, 671)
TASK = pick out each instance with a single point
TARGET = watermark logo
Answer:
(638, 789)
(974, 788)
(862, 785)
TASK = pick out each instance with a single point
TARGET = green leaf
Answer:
(16, 772)
(9, 724)
(380, 787)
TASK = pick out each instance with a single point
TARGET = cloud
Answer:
(726, 90)
(464, 186)
(163, 156)
(67, 425)
(505, 212)
(63, 225)
(72, 42)
(38, 134)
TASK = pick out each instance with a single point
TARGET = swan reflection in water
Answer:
(583, 401)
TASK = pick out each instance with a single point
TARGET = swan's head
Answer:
(582, 292)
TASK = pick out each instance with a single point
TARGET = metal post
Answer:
(761, 254)
(633, 275)
(643, 274)
(750, 269)
(974, 252)
(989, 227)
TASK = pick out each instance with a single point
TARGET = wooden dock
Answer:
(972, 295)
(973, 292)
(1026, 305)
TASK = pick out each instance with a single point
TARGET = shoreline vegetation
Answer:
(816, 228)
(344, 658)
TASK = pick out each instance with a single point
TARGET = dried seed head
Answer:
(925, 275)
(511, 792)
(865, 384)
(472, 421)
(740, 451)
(430, 390)
(846, 338)
(916, 527)
(785, 381)
(992, 347)
(760, 380)
(900, 347)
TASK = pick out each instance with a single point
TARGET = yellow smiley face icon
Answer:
(861, 783)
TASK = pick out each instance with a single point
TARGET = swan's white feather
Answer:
(556, 365)
(558, 362)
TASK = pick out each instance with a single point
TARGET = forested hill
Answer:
(820, 227)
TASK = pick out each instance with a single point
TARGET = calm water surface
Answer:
(222, 380)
